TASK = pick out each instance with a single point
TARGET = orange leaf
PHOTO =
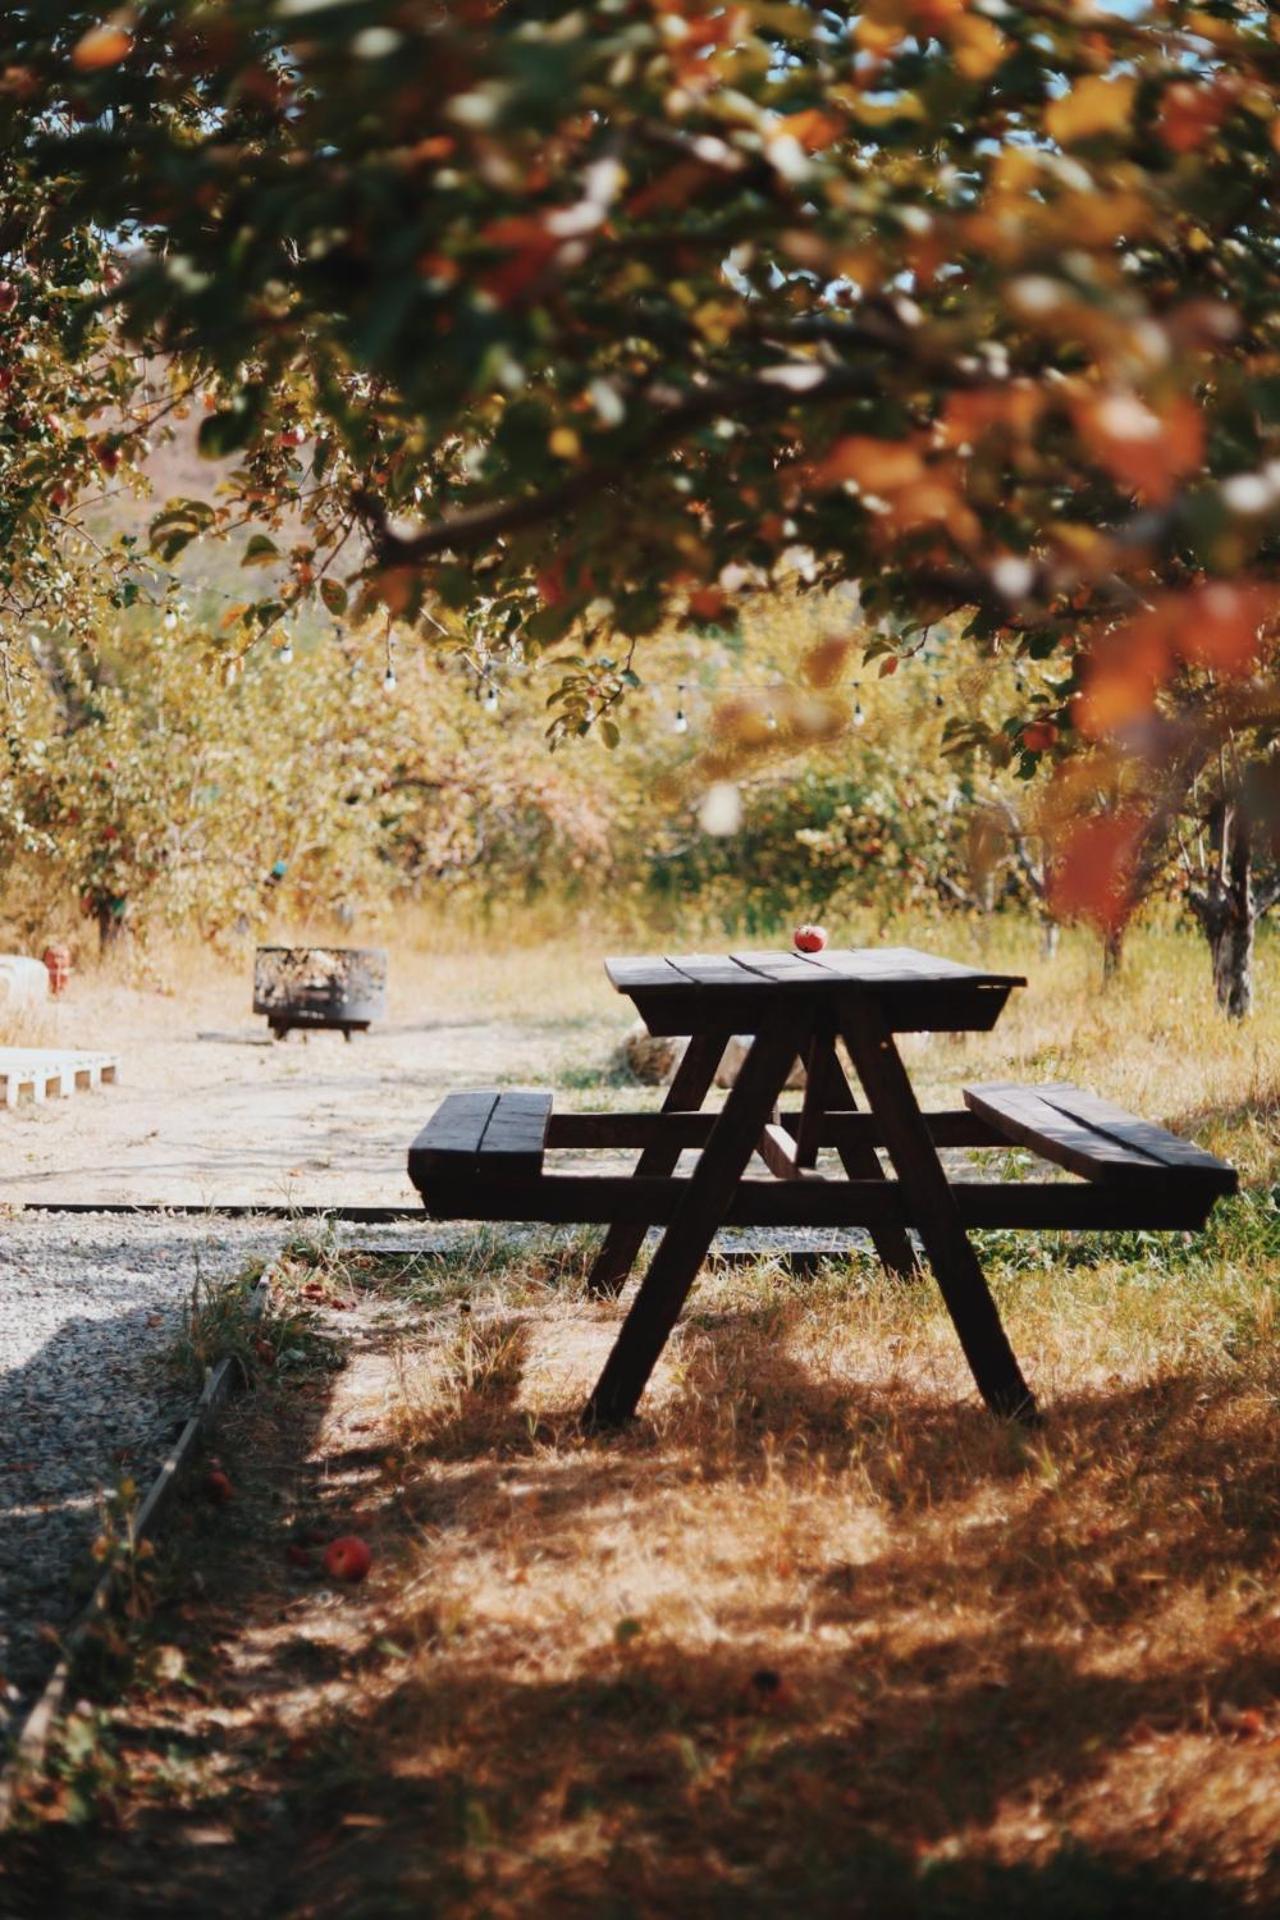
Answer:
(103, 46)
(1122, 678)
(398, 588)
(969, 415)
(1094, 106)
(878, 466)
(1093, 870)
(1146, 451)
(822, 665)
(977, 46)
(812, 127)
(1220, 623)
(1188, 115)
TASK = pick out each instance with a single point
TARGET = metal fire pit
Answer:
(342, 987)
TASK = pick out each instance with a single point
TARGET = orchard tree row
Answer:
(541, 324)
(149, 787)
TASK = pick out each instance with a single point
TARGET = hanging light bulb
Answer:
(859, 717)
(681, 722)
(389, 679)
(286, 652)
(171, 619)
(491, 698)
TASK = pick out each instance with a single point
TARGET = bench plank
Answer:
(1144, 1136)
(458, 1124)
(1094, 1137)
(1026, 1117)
(516, 1135)
(483, 1134)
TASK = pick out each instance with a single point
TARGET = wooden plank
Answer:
(647, 1200)
(783, 969)
(703, 1207)
(908, 1006)
(51, 1073)
(629, 1129)
(1142, 1136)
(711, 970)
(639, 1128)
(629, 971)
(950, 1128)
(891, 1242)
(907, 964)
(454, 1131)
(1029, 1120)
(934, 1213)
(778, 1151)
(515, 1134)
(688, 1089)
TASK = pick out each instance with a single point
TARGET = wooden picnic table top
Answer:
(685, 993)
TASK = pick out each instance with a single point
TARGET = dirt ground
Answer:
(209, 1110)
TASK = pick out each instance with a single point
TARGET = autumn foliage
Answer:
(542, 328)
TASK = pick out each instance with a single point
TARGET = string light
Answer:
(681, 722)
(389, 679)
(859, 717)
(286, 652)
(491, 698)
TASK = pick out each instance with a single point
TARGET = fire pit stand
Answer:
(338, 987)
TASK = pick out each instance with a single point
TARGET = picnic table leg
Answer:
(684, 1245)
(688, 1090)
(932, 1208)
(893, 1244)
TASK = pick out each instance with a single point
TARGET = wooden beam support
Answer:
(935, 1214)
(645, 1200)
(693, 1077)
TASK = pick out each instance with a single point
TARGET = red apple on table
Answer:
(810, 939)
(347, 1558)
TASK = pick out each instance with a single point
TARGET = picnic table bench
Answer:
(483, 1155)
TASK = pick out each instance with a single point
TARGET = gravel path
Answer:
(88, 1303)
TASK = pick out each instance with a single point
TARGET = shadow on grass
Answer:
(983, 1660)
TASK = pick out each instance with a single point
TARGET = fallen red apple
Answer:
(810, 939)
(347, 1559)
(218, 1486)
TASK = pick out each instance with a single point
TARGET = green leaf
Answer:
(334, 595)
(223, 432)
(260, 552)
(609, 734)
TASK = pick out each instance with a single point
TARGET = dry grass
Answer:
(816, 1636)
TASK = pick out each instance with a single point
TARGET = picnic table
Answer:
(483, 1154)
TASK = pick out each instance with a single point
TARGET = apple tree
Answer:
(588, 314)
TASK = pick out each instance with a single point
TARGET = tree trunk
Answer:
(1226, 909)
(110, 927)
(1231, 941)
(1112, 952)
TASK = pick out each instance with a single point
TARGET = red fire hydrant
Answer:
(57, 959)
